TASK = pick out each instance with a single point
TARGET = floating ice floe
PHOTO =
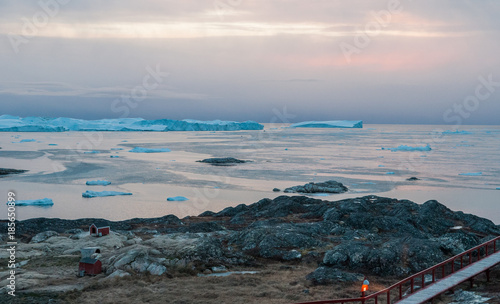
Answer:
(177, 199)
(52, 144)
(148, 150)
(498, 188)
(409, 148)
(98, 183)
(91, 152)
(389, 173)
(472, 174)
(114, 156)
(10, 123)
(319, 194)
(24, 140)
(456, 132)
(116, 149)
(329, 124)
(90, 194)
(37, 202)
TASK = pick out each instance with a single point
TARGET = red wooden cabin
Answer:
(89, 266)
(98, 231)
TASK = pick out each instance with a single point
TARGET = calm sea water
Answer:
(281, 157)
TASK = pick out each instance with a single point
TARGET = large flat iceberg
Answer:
(90, 194)
(409, 148)
(329, 124)
(10, 123)
(37, 202)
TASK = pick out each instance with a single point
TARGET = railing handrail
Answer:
(408, 279)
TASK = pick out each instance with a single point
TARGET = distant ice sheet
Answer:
(10, 123)
(37, 202)
(90, 194)
(329, 124)
(409, 148)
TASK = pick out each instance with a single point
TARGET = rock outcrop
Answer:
(369, 235)
(325, 187)
(223, 161)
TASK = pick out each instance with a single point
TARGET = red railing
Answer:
(407, 286)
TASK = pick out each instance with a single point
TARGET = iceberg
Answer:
(10, 123)
(116, 149)
(409, 148)
(97, 183)
(37, 202)
(147, 150)
(472, 174)
(90, 194)
(329, 124)
(114, 156)
(91, 152)
(27, 140)
(177, 199)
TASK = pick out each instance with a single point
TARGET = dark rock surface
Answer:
(224, 161)
(325, 187)
(413, 178)
(369, 235)
(4, 171)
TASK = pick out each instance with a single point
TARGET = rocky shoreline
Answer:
(344, 239)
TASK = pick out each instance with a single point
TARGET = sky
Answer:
(391, 61)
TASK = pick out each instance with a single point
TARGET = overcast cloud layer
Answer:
(424, 61)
